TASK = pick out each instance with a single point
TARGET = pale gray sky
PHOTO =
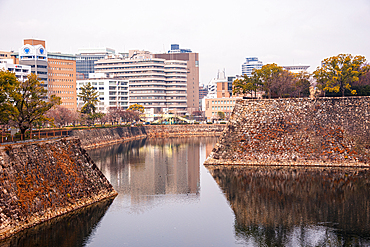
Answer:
(224, 33)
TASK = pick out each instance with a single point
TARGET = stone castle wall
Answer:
(43, 180)
(317, 132)
(92, 138)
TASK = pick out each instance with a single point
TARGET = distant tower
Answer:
(251, 64)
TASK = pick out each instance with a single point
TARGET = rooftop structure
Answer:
(296, 68)
(33, 53)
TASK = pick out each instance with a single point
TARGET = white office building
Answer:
(113, 92)
(251, 64)
(21, 71)
(154, 83)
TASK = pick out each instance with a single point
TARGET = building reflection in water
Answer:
(148, 167)
(298, 206)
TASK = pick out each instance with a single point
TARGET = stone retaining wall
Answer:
(320, 132)
(43, 180)
(184, 130)
(92, 138)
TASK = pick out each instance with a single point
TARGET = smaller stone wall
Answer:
(92, 138)
(43, 180)
(319, 132)
(184, 130)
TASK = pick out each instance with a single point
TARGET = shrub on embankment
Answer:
(324, 131)
(39, 181)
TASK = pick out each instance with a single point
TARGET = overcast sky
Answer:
(224, 33)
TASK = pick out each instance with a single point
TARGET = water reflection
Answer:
(298, 207)
(148, 167)
(72, 229)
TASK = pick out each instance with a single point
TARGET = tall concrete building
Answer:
(192, 82)
(86, 58)
(155, 83)
(251, 64)
(62, 78)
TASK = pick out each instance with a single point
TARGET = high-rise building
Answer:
(192, 60)
(62, 78)
(86, 58)
(155, 83)
(251, 64)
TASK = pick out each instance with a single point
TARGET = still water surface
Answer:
(166, 197)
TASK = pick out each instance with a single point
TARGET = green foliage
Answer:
(338, 73)
(247, 85)
(221, 115)
(136, 107)
(275, 81)
(90, 97)
(27, 103)
(8, 82)
(268, 75)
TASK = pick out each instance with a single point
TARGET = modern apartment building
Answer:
(113, 92)
(21, 71)
(86, 58)
(62, 78)
(155, 83)
(192, 82)
(251, 64)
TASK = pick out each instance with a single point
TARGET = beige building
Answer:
(192, 74)
(213, 106)
(223, 102)
(5, 55)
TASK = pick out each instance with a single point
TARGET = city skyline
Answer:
(286, 32)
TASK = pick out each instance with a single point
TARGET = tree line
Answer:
(340, 75)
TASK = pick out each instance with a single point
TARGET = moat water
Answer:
(166, 197)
